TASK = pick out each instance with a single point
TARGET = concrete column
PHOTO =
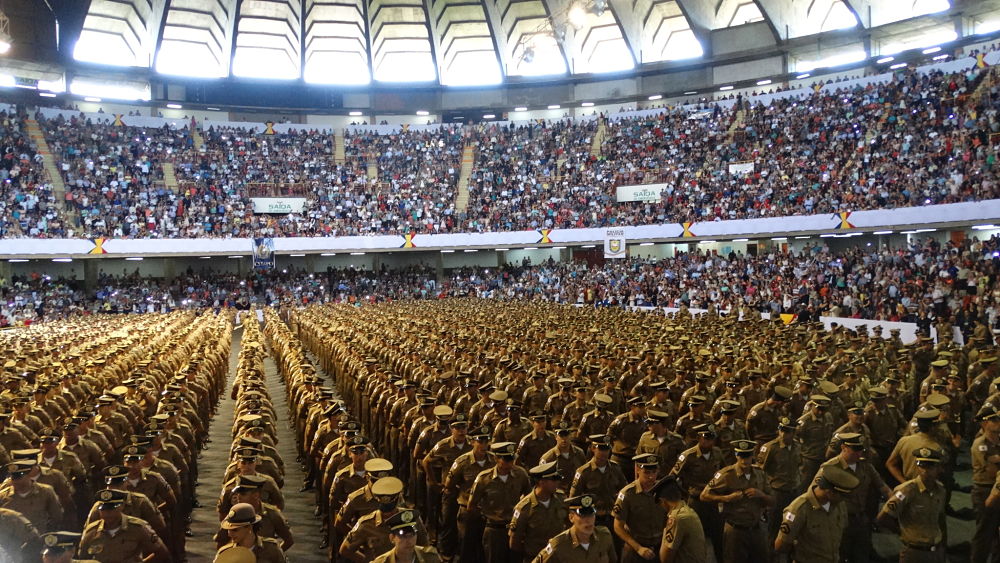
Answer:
(311, 263)
(6, 272)
(439, 267)
(90, 269)
(169, 268)
(376, 261)
(244, 265)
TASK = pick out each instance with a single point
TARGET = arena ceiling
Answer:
(455, 42)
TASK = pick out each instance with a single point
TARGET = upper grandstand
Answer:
(733, 110)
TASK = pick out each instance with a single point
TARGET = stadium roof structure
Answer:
(484, 42)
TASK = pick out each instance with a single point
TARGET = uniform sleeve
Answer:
(476, 495)
(679, 466)
(519, 522)
(674, 533)
(547, 554)
(150, 542)
(621, 508)
(978, 455)
(791, 524)
(894, 506)
(55, 508)
(718, 484)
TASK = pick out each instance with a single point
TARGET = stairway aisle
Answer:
(212, 466)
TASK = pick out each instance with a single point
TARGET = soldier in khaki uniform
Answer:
(534, 444)
(695, 468)
(17, 535)
(902, 463)
(242, 524)
(36, 501)
(762, 420)
(744, 493)
(439, 460)
(813, 524)
(568, 546)
(567, 455)
(683, 537)
(539, 515)
(136, 504)
(370, 536)
(601, 478)
(458, 484)
(493, 497)
(985, 462)
(273, 523)
(781, 461)
(403, 532)
(916, 510)
(133, 540)
(659, 440)
(639, 517)
(857, 542)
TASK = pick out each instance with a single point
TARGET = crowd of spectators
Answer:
(27, 203)
(926, 282)
(917, 139)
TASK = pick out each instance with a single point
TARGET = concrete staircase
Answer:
(170, 176)
(199, 141)
(339, 151)
(468, 159)
(602, 131)
(52, 171)
(737, 123)
(372, 168)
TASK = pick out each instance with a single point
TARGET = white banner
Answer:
(741, 167)
(644, 192)
(614, 243)
(280, 205)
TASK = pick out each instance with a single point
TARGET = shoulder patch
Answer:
(717, 475)
(680, 457)
(983, 447)
(900, 495)
(789, 516)
(763, 449)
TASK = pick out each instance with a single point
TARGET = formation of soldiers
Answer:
(472, 430)
(101, 422)
(538, 432)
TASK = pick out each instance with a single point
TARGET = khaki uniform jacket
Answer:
(685, 535)
(813, 532)
(133, 540)
(565, 548)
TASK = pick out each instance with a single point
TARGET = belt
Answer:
(498, 524)
(923, 547)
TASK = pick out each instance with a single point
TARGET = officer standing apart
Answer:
(683, 537)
